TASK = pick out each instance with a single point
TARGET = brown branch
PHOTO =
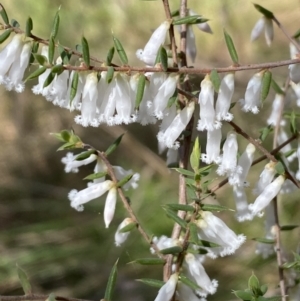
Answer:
(33, 297)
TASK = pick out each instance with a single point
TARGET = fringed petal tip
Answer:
(242, 217)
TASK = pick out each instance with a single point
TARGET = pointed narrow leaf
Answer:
(121, 52)
(140, 90)
(268, 14)
(128, 228)
(185, 172)
(29, 27)
(74, 86)
(279, 167)
(243, 295)
(264, 132)
(24, 280)
(14, 23)
(113, 146)
(193, 233)
(204, 171)
(173, 99)
(264, 240)
(293, 122)
(191, 284)
(57, 69)
(276, 87)
(41, 59)
(266, 84)
(85, 155)
(110, 56)
(55, 25)
(173, 250)
(85, 51)
(171, 214)
(195, 156)
(4, 36)
(163, 58)
(288, 227)
(51, 50)
(264, 288)
(4, 14)
(151, 282)
(96, 175)
(175, 13)
(110, 74)
(111, 283)
(124, 181)
(231, 48)
(297, 34)
(207, 244)
(215, 79)
(210, 207)
(289, 265)
(65, 135)
(181, 207)
(49, 80)
(64, 54)
(35, 48)
(36, 73)
(253, 284)
(196, 19)
(149, 261)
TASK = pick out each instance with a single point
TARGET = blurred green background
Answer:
(71, 253)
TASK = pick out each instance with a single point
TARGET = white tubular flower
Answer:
(75, 104)
(294, 68)
(108, 105)
(191, 49)
(148, 55)
(164, 93)
(282, 137)
(179, 123)
(156, 81)
(59, 89)
(71, 164)
(89, 99)
(213, 229)
(99, 168)
(252, 100)
(172, 156)
(263, 23)
(296, 89)
(244, 164)
(276, 112)
(164, 242)
(267, 195)
(229, 157)
(207, 112)
(298, 157)
(120, 173)
(241, 203)
(184, 292)
(121, 237)
(224, 98)
(110, 206)
(212, 147)
(167, 291)
(10, 58)
(267, 249)
(92, 192)
(195, 269)
(265, 178)
(102, 86)
(17, 70)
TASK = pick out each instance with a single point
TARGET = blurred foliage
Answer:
(70, 253)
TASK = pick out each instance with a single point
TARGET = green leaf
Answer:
(124, 181)
(264, 288)
(110, 56)
(188, 282)
(268, 14)
(204, 171)
(175, 13)
(163, 58)
(110, 74)
(5, 35)
(51, 297)
(85, 51)
(85, 155)
(231, 48)
(14, 23)
(35, 73)
(196, 19)
(96, 175)
(64, 54)
(171, 214)
(173, 99)
(288, 227)
(244, 295)
(4, 14)
(195, 156)
(140, 90)
(49, 80)
(172, 250)
(264, 132)
(210, 207)
(113, 146)
(215, 79)
(128, 228)
(57, 69)
(121, 52)
(289, 265)
(293, 122)
(24, 280)
(276, 88)
(111, 283)
(181, 207)
(279, 167)
(266, 84)
(193, 233)
(206, 244)
(297, 34)
(151, 282)
(264, 240)
(55, 25)
(149, 261)
(184, 172)
(41, 59)
(74, 86)
(253, 284)
(29, 27)
(51, 50)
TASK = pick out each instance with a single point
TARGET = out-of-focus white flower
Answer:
(212, 147)
(294, 68)
(213, 229)
(207, 112)
(224, 98)
(194, 268)
(121, 173)
(75, 104)
(92, 192)
(121, 237)
(184, 292)
(242, 211)
(178, 124)
(191, 49)
(71, 164)
(276, 110)
(263, 23)
(296, 89)
(167, 291)
(148, 55)
(281, 138)
(252, 100)
(202, 26)
(298, 157)
(110, 206)
(265, 178)
(172, 156)
(264, 199)
(164, 242)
